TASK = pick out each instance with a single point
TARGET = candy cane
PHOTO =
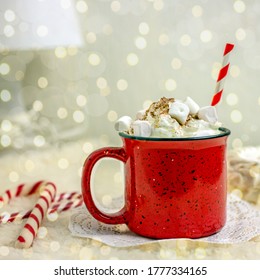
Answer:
(21, 190)
(48, 202)
(68, 196)
(61, 206)
(27, 235)
(14, 217)
(222, 75)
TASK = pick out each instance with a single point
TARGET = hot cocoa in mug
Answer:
(175, 187)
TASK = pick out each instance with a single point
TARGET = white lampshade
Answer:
(38, 24)
(30, 25)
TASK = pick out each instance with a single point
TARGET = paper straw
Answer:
(222, 75)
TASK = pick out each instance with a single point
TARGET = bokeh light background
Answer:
(132, 53)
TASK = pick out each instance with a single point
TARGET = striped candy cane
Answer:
(48, 202)
(27, 235)
(222, 75)
(21, 190)
(14, 217)
(62, 206)
(59, 207)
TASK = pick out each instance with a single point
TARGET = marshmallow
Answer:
(208, 114)
(123, 123)
(179, 111)
(193, 106)
(142, 128)
(140, 114)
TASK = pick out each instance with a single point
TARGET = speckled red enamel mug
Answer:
(175, 187)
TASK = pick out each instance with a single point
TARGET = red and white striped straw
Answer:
(222, 75)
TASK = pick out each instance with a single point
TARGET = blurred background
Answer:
(70, 68)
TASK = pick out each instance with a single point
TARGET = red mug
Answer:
(174, 187)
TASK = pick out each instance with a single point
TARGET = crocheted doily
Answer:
(243, 223)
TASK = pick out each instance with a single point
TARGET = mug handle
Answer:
(111, 152)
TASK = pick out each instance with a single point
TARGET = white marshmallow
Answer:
(142, 128)
(208, 114)
(179, 111)
(193, 106)
(140, 114)
(123, 123)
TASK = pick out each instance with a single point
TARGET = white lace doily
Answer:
(243, 223)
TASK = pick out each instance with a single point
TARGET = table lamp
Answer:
(25, 27)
